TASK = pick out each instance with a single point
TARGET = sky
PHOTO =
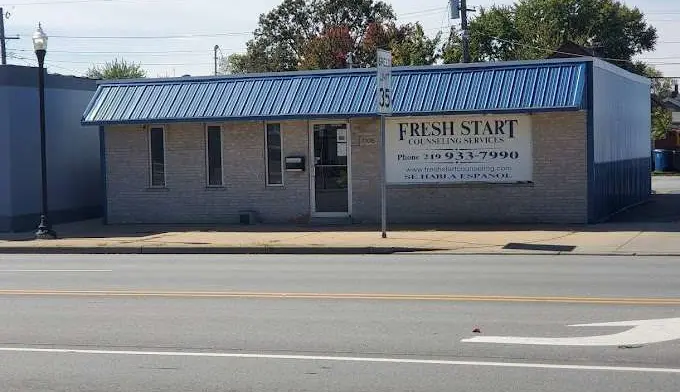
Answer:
(177, 37)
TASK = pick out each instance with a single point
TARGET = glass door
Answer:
(331, 175)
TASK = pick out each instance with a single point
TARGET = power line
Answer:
(425, 11)
(29, 63)
(145, 64)
(179, 36)
(51, 64)
(577, 55)
(662, 12)
(146, 53)
(59, 2)
(22, 59)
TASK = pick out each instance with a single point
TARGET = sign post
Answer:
(384, 108)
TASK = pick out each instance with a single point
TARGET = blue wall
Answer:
(74, 178)
(5, 198)
(621, 143)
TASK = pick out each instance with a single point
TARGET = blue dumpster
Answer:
(663, 160)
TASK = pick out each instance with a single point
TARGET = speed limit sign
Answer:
(384, 82)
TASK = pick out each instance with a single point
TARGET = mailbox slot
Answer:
(296, 163)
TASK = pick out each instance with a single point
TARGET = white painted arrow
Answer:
(643, 332)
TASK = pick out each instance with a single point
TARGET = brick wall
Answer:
(559, 192)
(186, 198)
(558, 195)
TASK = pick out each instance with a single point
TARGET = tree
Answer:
(117, 69)
(661, 122)
(661, 87)
(330, 49)
(321, 34)
(532, 29)
(411, 46)
(235, 63)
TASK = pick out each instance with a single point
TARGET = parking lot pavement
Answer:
(666, 184)
(663, 206)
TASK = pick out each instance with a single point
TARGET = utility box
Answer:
(247, 217)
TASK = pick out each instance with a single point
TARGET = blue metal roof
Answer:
(526, 86)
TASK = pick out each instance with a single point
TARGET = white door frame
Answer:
(312, 171)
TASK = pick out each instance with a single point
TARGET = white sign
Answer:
(454, 7)
(384, 82)
(459, 149)
(342, 149)
(643, 332)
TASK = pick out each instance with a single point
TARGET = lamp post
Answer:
(40, 45)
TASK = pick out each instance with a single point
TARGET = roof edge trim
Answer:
(575, 108)
(353, 71)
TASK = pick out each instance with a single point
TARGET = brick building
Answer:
(555, 141)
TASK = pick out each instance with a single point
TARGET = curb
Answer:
(226, 250)
(207, 250)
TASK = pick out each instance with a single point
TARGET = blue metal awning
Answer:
(471, 88)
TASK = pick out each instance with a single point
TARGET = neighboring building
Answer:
(570, 49)
(74, 172)
(554, 141)
(672, 139)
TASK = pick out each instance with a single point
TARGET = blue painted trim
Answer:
(327, 116)
(590, 145)
(89, 106)
(585, 99)
(102, 163)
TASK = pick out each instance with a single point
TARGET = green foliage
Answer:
(320, 34)
(411, 46)
(531, 29)
(235, 63)
(661, 87)
(661, 122)
(117, 69)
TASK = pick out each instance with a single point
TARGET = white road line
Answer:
(54, 270)
(344, 359)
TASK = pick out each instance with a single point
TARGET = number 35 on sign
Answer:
(384, 82)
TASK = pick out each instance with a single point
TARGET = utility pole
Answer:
(464, 32)
(3, 38)
(217, 47)
(459, 10)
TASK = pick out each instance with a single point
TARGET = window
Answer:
(274, 152)
(157, 150)
(214, 158)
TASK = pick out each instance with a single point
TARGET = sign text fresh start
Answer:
(504, 127)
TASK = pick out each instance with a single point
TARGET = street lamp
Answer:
(40, 45)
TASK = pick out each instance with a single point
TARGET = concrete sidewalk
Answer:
(604, 239)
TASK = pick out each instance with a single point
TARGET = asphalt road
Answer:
(350, 323)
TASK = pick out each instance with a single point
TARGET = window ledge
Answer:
(157, 189)
(216, 188)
